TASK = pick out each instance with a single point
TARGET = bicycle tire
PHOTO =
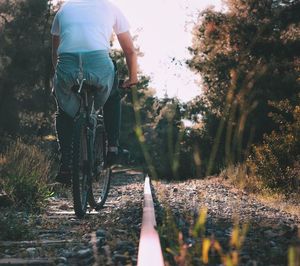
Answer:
(100, 187)
(80, 168)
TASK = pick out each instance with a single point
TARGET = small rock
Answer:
(101, 233)
(61, 260)
(86, 237)
(125, 246)
(67, 254)
(120, 231)
(99, 242)
(84, 253)
(270, 234)
(120, 258)
(32, 252)
(64, 206)
(275, 251)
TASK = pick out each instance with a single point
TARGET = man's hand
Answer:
(129, 83)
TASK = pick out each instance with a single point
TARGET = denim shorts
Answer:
(95, 66)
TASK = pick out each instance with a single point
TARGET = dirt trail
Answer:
(109, 237)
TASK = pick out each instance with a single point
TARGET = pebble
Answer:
(125, 246)
(62, 260)
(101, 233)
(32, 252)
(67, 254)
(84, 253)
(270, 234)
(120, 258)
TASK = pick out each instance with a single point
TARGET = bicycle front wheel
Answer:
(81, 170)
(102, 174)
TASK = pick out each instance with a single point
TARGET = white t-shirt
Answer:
(87, 25)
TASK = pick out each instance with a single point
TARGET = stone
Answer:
(120, 258)
(125, 246)
(84, 253)
(62, 260)
(270, 234)
(67, 254)
(32, 252)
(101, 233)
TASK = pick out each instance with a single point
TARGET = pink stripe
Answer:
(150, 253)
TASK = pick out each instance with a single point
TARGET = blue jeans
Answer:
(98, 74)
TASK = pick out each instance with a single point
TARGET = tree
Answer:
(25, 63)
(246, 57)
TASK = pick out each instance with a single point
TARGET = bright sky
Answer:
(164, 32)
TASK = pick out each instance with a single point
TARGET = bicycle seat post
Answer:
(80, 83)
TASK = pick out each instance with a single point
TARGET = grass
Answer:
(15, 226)
(25, 170)
(240, 177)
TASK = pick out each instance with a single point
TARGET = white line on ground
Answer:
(149, 247)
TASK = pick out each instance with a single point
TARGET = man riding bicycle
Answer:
(81, 32)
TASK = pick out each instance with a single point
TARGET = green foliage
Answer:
(152, 129)
(205, 250)
(24, 175)
(14, 227)
(246, 57)
(168, 233)
(276, 161)
(26, 69)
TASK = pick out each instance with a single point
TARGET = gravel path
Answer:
(271, 231)
(109, 237)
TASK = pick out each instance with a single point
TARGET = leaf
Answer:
(235, 258)
(205, 250)
(200, 225)
(217, 246)
(228, 261)
(171, 251)
(292, 256)
(234, 241)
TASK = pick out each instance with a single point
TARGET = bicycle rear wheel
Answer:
(81, 170)
(102, 174)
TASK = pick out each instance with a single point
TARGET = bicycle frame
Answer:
(91, 148)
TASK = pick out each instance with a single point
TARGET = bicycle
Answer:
(90, 172)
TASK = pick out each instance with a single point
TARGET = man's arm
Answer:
(126, 43)
(55, 44)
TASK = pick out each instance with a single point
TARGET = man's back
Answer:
(86, 25)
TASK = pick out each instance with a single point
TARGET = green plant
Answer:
(24, 174)
(207, 248)
(13, 226)
(276, 161)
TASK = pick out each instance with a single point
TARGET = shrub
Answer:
(24, 173)
(276, 161)
(13, 226)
